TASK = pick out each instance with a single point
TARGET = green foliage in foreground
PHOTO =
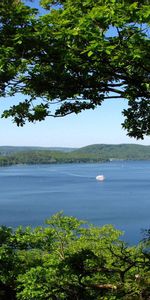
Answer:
(75, 56)
(70, 260)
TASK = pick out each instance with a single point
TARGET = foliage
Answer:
(76, 55)
(48, 157)
(88, 154)
(68, 259)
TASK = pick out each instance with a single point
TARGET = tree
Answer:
(67, 260)
(75, 56)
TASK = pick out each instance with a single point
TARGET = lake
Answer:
(30, 194)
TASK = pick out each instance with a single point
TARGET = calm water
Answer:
(30, 194)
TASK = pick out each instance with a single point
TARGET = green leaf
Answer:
(90, 53)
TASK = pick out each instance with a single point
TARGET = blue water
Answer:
(30, 194)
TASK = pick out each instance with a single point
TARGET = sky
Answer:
(101, 126)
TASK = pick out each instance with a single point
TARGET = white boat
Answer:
(100, 177)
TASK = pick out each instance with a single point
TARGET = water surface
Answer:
(30, 194)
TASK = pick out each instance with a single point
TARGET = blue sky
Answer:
(103, 125)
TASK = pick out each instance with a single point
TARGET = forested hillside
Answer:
(92, 153)
(6, 150)
(121, 151)
(47, 157)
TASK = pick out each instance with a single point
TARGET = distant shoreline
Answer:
(89, 154)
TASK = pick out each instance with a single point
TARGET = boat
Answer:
(100, 177)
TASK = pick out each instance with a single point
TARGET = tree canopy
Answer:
(75, 56)
(68, 259)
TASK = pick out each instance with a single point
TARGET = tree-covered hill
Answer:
(6, 150)
(91, 153)
(47, 157)
(121, 151)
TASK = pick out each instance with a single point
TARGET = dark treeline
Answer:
(47, 157)
(92, 153)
